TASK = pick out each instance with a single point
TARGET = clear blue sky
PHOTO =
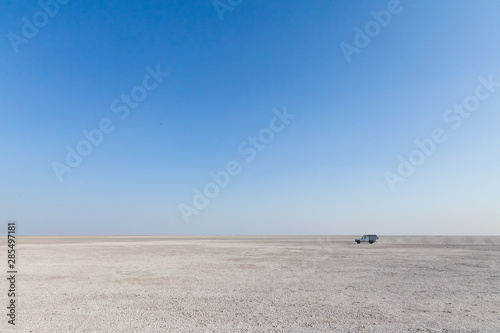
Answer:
(324, 173)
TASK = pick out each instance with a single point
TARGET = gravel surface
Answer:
(256, 284)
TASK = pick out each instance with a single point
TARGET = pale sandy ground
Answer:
(257, 284)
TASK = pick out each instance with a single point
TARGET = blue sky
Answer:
(324, 173)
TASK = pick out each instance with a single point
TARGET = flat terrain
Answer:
(256, 284)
